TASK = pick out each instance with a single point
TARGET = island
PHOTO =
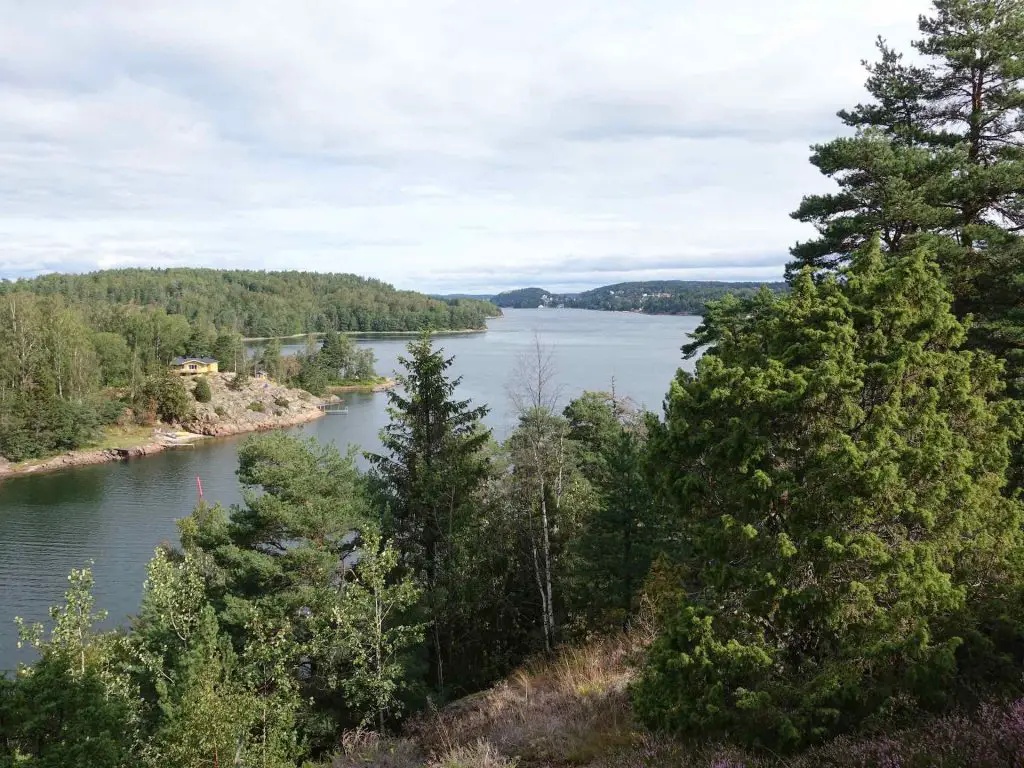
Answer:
(652, 297)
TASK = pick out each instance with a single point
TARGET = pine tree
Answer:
(283, 553)
(938, 160)
(835, 469)
(432, 466)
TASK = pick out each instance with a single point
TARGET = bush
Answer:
(221, 411)
(281, 402)
(835, 467)
(165, 397)
(258, 407)
(31, 428)
(202, 392)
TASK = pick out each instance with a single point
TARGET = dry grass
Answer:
(563, 712)
(574, 710)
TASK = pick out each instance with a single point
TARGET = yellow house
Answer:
(190, 366)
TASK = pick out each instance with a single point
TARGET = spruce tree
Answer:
(834, 470)
(618, 538)
(432, 466)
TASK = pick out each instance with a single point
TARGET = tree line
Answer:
(652, 297)
(262, 304)
(824, 529)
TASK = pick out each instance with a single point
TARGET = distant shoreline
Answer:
(368, 334)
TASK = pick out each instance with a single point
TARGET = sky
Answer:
(440, 145)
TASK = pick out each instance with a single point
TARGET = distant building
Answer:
(190, 366)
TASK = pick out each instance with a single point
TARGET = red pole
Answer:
(199, 484)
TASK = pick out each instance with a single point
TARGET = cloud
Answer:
(437, 144)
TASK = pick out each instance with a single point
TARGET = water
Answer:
(116, 514)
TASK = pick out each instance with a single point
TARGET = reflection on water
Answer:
(116, 514)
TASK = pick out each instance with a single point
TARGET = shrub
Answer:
(835, 468)
(281, 402)
(220, 411)
(165, 397)
(202, 392)
(258, 407)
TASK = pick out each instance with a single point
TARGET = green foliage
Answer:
(282, 402)
(370, 621)
(208, 704)
(270, 359)
(74, 708)
(338, 360)
(432, 466)
(31, 427)
(262, 304)
(254, 406)
(281, 554)
(655, 297)
(618, 539)
(938, 160)
(834, 473)
(201, 391)
(164, 396)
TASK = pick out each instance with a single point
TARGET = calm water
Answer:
(115, 514)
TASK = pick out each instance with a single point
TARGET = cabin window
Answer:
(192, 366)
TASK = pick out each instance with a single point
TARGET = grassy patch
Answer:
(123, 437)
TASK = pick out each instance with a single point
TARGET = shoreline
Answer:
(166, 437)
(366, 334)
(383, 385)
(182, 438)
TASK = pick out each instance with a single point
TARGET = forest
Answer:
(261, 304)
(652, 297)
(82, 352)
(813, 557)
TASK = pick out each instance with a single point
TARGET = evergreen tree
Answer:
(618, 538)
(202, 392)
(211, 705)
(938, 160)
(283, 554)
(270, 359)
(834, 470)
(427, 477)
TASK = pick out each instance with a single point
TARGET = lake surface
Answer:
(116, 514)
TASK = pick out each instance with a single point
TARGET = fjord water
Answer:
(115, 514)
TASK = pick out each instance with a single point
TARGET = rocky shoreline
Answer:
(257, 407)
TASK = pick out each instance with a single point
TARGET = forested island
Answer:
(653, 297)
(813, 558)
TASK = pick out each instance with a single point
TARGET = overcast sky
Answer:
(441, 145)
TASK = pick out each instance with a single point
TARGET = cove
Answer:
(116, 514)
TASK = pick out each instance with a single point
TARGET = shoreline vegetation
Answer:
(83, 354)
(366, 334)
(125, 443)
(652, 297)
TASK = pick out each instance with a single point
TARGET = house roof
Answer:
(183, 360)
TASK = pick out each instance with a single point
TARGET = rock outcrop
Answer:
(257, 406)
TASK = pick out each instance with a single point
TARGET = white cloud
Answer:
(438, 144)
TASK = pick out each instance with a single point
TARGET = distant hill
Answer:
(261, 303)
(654, 297)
